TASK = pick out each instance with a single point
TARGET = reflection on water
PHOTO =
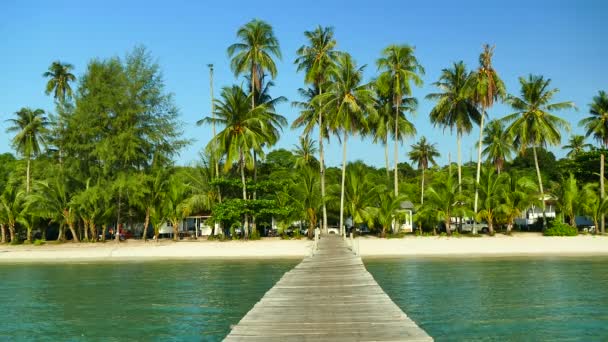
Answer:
(510, 299)
(162, 301)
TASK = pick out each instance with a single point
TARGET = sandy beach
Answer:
(500, 245)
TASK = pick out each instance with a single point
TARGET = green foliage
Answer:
(255, 235)
(560, 229)
(39, 242)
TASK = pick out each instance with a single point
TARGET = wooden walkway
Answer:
(327, 297)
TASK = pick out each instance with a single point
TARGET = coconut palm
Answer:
(30, 127)
(53, 201)
(304, 152)
(597, 125)
(520, 193)
(244, 131)
(174, 205)
(388, 209)
(349, 101)
(576, 145)
(455, 108)
(568, 195)
(315, 59)
(533, 125)
(381, 123)
(360, 191)
(422, 154)
(304, 195)
(12, 202)
(399, 67)
(445, 200)
(488, 89)
(491, 188)
(60, 76)
(498, 146)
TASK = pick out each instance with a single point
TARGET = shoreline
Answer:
(499, 246)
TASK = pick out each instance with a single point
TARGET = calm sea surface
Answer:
(457, 299)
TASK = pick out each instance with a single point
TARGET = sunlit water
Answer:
(515, 299)
(512, 299)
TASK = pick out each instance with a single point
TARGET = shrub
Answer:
(560, 229)
(255, 235)
(39, 242)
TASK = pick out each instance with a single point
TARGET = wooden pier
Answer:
(329, 296)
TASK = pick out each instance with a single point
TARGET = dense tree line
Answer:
(105, 158)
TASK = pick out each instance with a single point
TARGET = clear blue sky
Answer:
(562, 40)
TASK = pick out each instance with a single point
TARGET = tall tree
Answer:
(305, 152)
(30, 127)
(597, 125)
(243, 131)
(349, 101)
(315, 59)
(399, 67)
(423, 153)
(576, 145)
(498, 145)
(381, 123)
(60, 76)
(491, 189)
(488, 89)
(533, 125)
(455, 106)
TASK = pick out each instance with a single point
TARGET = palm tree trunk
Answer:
(322, 168)
(396, 150)
(73, 231)
(479, 164)
(104, 229)
(422, 188)
(540, 186)
(94, 237)
(117, 230)
(175, 225)
(459, 143)
(448, 228)
(242, 162)
(343, 181)
(27, 176)
(3, 231)
(11, 230)
(61, 234)
(29, 234)
(602, 192)
(146, 223)
(86, 230)
(255, 181)
(388, 167)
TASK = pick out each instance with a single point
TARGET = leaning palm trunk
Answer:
(540, 186)
(3, 231)
(322, 167)
(343, 181)
(479, 166)
(73, 231)
(146, 223)
(242, 160)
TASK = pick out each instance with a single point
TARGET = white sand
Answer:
(500, 245)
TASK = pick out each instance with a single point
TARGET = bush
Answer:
(560, 229)
(39, 242)
(255, 235)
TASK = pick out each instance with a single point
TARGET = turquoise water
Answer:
(151, 301)
(530, 299)
(521, 299)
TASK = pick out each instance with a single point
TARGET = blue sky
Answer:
(562, 40)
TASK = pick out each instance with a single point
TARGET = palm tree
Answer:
(387, 210)
(53, 201)
(488, 89)
(520, 193)
(423, 153)
(175, 207)
(498, 145)
(381, 123)
(244, 131)
(316, 59)
(491, 188)
(399, 67)
(360, 191)
(31, 127)
(12, 203)
(533, 124)
(568, 196)
(304, 195)
(349, 102)
(304, 152)
(597, 125)
(576, 145)
(60, 76)
(455, 106)
(445, 200)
